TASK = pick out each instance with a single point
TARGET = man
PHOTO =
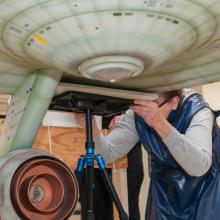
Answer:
(176, 130)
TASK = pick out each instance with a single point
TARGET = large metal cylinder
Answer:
(34, 185)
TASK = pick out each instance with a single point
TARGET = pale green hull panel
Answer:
(27, 109)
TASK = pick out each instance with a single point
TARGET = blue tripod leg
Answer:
(81, 164)
(111, 189)
(79, 170)
(86, 194)
(79, 174)
(90, 184)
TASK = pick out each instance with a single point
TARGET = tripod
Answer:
(88, 162)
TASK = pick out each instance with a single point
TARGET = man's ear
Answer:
(175, 101)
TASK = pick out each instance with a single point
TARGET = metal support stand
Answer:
(88, 162)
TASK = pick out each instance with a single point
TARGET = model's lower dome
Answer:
(111, 68)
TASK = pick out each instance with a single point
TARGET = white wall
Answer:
(211, 94)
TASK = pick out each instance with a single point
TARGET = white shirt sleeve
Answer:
(193, 150)
(120, 141)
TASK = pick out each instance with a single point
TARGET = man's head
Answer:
(168, 101)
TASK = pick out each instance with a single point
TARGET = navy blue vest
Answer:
(173, 194)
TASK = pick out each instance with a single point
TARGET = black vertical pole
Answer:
(89, 138)
(89, 167)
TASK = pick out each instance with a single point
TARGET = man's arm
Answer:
(193, 150)
(121, 139)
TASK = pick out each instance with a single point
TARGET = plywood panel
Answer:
(67, 144)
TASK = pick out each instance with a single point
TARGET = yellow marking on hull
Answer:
(40, 38)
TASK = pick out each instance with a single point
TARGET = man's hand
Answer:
(114, 122)
(153, 116)
(149, 111)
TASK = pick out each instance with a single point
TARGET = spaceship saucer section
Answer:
(145, 45)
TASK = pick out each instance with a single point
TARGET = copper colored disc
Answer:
(45, 193)
(44, 189)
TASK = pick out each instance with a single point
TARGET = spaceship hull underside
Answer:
(177, 43)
